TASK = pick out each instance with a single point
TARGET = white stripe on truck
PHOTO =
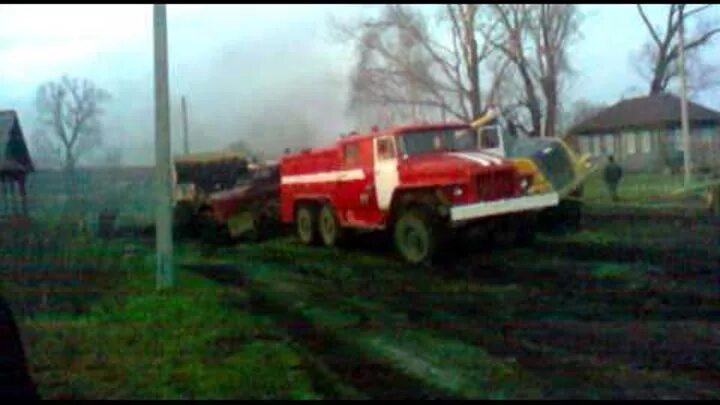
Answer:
(476, 159)
(484, 159)
(493, 158)
(324, 177)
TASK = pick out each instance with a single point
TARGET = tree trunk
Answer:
(70, 183)
(551, 107)
(656, 86)
(475, 103)
(533, 103)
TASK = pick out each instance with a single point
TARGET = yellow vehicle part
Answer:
(582, 168)
(526, 166)
(485, 118)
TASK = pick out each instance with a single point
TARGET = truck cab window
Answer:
(489, 137)
(351, 154)
(385, 149)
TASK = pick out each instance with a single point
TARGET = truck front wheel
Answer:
(305, 224)
(415, 236)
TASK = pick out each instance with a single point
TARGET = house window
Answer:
(597, 146)
(646, 138)
(707, 136)
(630, 143)
(609, 144)
(585, 145)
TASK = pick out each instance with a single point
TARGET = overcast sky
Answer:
(237, 63)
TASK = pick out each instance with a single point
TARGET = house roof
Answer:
(647, 112)
(14, 155)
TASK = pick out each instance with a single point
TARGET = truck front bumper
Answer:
(470, 212)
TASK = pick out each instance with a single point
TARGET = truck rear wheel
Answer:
(305, 224)
(415, 235)
(330, 231)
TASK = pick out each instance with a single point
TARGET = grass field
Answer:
(633, 186)
(280, 320)
(618, 310)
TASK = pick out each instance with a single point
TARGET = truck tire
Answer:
(306, 224)
(210, 231)
(329, 227)
(415, 235)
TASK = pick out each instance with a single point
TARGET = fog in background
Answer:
(272, 76)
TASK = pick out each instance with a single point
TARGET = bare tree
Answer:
(535, 39)
(556, 25)
(517, 51)
(657, 60)
(70, 109)
(411, 71)
(510, 36)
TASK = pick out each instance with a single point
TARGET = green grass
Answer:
(454, 366)
(633, 187)
(336, 306)
(195, 342)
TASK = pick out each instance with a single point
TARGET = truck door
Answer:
(385, 170)
(353, 183)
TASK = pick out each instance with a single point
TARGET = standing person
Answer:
(613, 174)
(15, 380)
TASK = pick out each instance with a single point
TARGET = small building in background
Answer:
(15, 165)
(645, 134)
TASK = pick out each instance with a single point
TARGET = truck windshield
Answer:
(443, 140)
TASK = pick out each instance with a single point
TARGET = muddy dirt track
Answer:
(624, 309)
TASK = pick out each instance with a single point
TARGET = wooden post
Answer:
(186, 140)
(163, 186)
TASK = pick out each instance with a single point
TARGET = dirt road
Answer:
(624, 309)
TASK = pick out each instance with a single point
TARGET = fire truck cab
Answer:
(417, 181)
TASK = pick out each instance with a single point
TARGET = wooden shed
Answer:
(15, 165)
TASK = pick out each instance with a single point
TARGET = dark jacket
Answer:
(15, 381)
(613, 172)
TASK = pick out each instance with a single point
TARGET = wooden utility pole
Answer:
(186, 140)
(683, 102)
(163, 185)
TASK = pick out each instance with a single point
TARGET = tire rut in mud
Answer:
(370, 378)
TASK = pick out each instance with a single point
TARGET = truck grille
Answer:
(497, 185)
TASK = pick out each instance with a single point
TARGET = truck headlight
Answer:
(457, 191)
(525, 184)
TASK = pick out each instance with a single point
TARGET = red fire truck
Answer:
(420, 182)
